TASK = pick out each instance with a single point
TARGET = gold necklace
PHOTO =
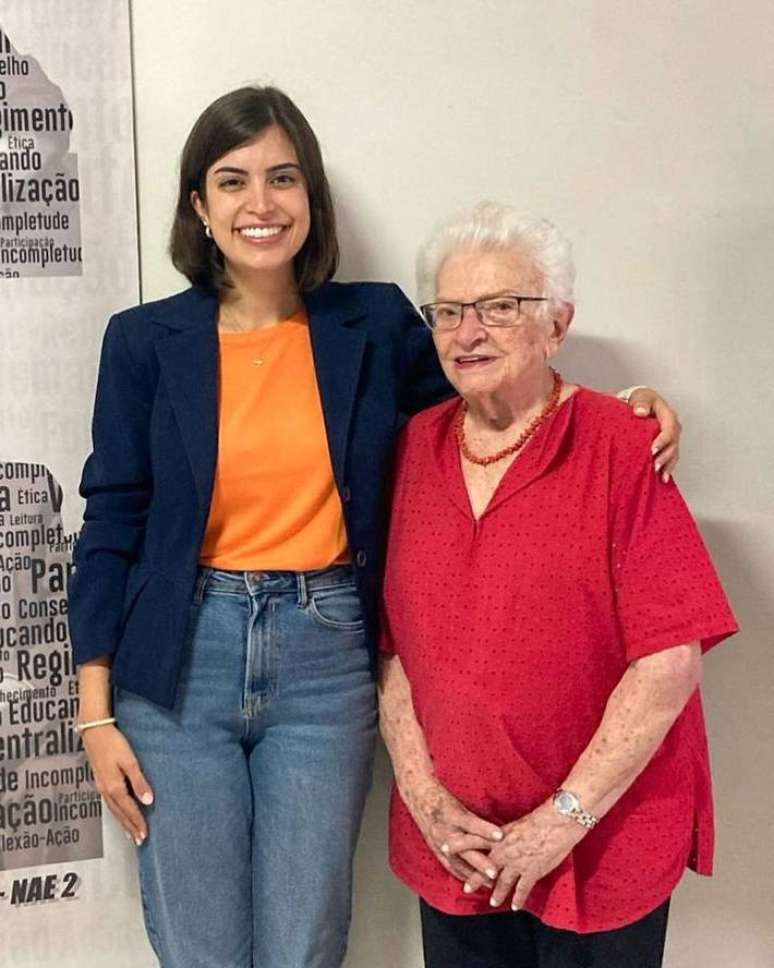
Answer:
(528, 432)
(227, 312)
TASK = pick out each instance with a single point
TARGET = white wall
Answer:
(645, 131)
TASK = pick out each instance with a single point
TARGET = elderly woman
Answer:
(547, 602)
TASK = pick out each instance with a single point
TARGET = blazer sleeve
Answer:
(117, 486)
(424, 383)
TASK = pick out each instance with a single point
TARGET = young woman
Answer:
(229, 562)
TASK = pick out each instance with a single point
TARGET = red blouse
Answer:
(514, 630)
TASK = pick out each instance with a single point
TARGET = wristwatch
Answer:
(568, 805)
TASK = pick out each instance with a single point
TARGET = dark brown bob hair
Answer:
(234, 120)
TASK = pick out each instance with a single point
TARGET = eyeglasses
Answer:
(502, 309)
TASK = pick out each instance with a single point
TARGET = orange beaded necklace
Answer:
(528, 432)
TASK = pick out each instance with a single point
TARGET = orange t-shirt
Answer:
(275, 505)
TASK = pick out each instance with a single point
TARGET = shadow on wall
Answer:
(602, 364)
(385, 927)
(733, 908)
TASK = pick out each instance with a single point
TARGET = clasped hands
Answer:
(507, 860)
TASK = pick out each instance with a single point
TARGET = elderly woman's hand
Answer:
(457, 837)
(532, 847)
(666, 446)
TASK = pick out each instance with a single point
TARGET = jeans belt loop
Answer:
(303, 591)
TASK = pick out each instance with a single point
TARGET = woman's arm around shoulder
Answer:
(665, 447)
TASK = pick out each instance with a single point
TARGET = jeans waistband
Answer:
(217, 581)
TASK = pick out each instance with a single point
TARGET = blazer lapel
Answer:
(338, 357)
(189, 366)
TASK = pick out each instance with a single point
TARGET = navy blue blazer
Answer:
(148, 482)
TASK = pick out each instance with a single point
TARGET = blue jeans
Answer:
(260, 774)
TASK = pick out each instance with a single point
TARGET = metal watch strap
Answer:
(576, 813)
(584, 818)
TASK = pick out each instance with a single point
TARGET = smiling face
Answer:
(257, 206)
(484, 361)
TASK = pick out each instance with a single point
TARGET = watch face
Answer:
(565, 802)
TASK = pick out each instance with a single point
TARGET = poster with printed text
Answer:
(68, 260)
(39, 188)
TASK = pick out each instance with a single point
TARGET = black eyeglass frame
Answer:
(427, 307)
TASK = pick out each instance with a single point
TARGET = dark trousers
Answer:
(519, 940)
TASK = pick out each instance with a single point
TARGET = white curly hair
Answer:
(490, 225)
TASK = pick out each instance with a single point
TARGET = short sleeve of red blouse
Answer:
(668, 592)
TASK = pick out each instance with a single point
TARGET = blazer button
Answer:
(361, 558)
(346, 494)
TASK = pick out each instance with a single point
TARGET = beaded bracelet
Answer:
(81, 727)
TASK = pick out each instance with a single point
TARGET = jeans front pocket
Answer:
(337, 607)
